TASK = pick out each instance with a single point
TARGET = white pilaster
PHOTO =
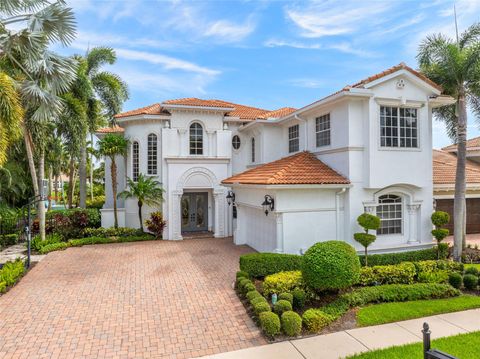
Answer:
(182, 132)
(279, 223)
(210, 143)
(412, 210)
(176, 221)
(219, 204)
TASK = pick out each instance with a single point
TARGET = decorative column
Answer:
(219, 204)
(412, 210)
(176, 222)
(211, 145)
(182, 132)
(279, 223)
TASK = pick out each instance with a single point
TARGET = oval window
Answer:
(236, 142)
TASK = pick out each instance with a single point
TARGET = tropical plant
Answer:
(368, 222)
(455, 65)
(146, 190)
(439, 220)
(112, 146)
(156, 224)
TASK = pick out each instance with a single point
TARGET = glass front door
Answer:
(194, 212)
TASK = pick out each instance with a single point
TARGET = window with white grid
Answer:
(152, 154)
(135, 161)
(196, 139)
(293, 138)
(398, 127)
(389, 210)
(322, 130)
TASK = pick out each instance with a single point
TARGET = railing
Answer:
(428, 352)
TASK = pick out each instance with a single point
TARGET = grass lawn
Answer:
(464, 346)
(394, 312)
(476, 265)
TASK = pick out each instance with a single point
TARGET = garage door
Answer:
(473, 213)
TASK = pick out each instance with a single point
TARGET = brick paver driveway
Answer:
(139, 300)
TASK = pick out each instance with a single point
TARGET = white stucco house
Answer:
(293, 177)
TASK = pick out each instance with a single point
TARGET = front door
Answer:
(194, 212)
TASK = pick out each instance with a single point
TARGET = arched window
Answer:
(152, 154)
(196, 139)
(390, 211)
(135, 161)
(253, 149)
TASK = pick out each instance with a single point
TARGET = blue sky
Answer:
(267, 54)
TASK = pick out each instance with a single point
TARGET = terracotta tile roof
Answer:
(445, 166)
(300, 168)
(155, 109)
(193, 101)
(114, 129)
(400, 66)
(284, 111)
(471, 143)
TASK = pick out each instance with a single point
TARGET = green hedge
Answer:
(262, 264)
(403, 273)
(10, 273)
(8, 239)
(411, 256)
(282, 282)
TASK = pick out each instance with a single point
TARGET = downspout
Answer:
(337, 212)
(306, 130)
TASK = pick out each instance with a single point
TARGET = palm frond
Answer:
(470, 36)
(112, 91)
(98, 57)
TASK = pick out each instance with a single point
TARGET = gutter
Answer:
(337, 212)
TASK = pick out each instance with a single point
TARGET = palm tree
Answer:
(146, 190)
(455, 64)
(112, 146)
(103, 94)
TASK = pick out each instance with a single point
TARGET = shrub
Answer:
(286, 296)
(440, 218)
(450, 266)
(242, 274)
(439, 276)
(70, 223)
(282, 306)
(456, 280)
(53, 247)
(262, 264)
(331, 265)
(472, 270)
(261, 307)
(156, 224)
(11, 273)
(111, 232)
(8, 240)
(403, 273)
(314, 320)
(368, 222)
(298, 298)
(282, 282)
(248, 287)
(37, 244)
(270, 323)
(97, 202)
(3, 287)
(241, 282)
(470, 281)
(291, 323)
(257, 300)
(252, 294)
(411, 256)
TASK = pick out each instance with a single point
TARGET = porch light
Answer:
(268, 204)
(230, 197)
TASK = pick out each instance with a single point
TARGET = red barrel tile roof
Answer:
(114, 129)
(445, 166)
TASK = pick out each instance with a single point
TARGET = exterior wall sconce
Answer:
(230, 197)
(268, 204)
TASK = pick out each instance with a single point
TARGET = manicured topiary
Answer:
(262, 264)
(314, 320)
(252, 294)
(299, 297)
(291, 323)
(472, 270)
(282, 282)
(455, 279)
(256, 300)
(470, 281)
(247, 288)
(367, 222)
(330, 265)
(282, 306)
(241, 282)
(270, 323)
(440, 219)
(261, 307)
(286, 296)
(242, 274)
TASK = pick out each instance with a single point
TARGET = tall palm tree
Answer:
(146, 190)
(455, 64)
(104, 94)
(112, 146)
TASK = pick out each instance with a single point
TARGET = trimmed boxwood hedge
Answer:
(411, 256)
(259, 265)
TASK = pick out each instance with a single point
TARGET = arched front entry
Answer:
(198, 204)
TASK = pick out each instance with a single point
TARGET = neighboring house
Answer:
(297, 176)
(444, 169)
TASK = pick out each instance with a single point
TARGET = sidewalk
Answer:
(341, 344)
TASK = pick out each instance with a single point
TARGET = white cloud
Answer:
(344, 47)
(307, 83)
(108, 39)
(229, 31)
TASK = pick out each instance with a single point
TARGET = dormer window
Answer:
(196, 139)
(293, 138)
(398, 127)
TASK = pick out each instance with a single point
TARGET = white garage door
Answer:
(260, 229)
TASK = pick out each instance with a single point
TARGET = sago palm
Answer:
(146, 190)
(112, 146)
(455, 64)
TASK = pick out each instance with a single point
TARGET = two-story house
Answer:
(282, 180)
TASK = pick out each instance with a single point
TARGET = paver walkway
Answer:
(341, 344)
(162, 299)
